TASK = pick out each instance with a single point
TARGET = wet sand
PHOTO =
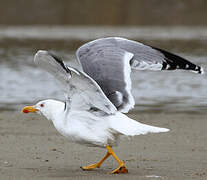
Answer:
(31, 148)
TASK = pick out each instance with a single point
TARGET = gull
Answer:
(97, 96)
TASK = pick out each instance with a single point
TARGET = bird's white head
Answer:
(49, 108)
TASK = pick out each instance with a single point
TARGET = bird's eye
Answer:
(41, 105)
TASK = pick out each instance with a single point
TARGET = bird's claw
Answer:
(120, 169)
(90, 167)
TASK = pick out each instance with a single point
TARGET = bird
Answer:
(98, 96)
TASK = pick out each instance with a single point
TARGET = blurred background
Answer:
(179, 26)
(113, 12)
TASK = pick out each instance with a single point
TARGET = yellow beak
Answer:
(28, 109)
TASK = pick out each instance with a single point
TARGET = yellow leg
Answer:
(97, 165)
(121, 168)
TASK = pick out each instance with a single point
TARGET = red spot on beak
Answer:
(25, 111)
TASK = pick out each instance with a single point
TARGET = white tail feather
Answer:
(130, 127)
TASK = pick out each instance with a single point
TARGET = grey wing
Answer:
(108, 62)
(82, 91)
(152, 58)
(110, 67)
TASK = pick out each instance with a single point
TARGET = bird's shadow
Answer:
(76, 172)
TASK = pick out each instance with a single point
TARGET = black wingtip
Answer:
(200, 70)
(58, 60)
(173, 61)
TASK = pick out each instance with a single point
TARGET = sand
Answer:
(31, 148)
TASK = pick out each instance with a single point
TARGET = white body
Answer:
(91, 128)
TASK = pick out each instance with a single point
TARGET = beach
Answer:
(31, 148)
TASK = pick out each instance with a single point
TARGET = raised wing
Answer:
(82, 91)
(110, 67)
(109, 61)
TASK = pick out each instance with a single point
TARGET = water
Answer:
(93, 32)
(23, 83)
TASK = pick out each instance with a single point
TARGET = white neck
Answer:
(57, 113)
(53, 109)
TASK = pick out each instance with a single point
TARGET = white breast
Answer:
(84, 127)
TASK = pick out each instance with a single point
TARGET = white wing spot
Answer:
(168, 66)
(142, 65)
